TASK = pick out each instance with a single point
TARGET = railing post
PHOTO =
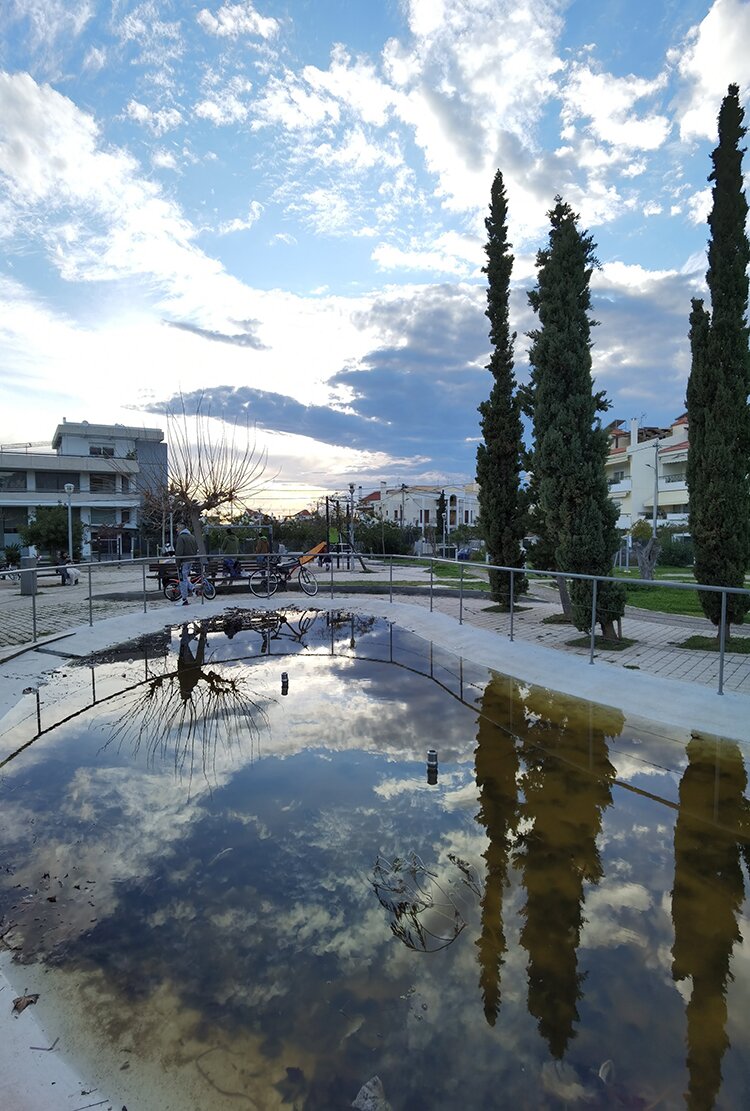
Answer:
(143, 573)
(511, 605)
(593, 623)
(390, 588)
(722, 639)
(461, 598)
(91, 602)
(432, 572)
(330, 568)
(33, 606)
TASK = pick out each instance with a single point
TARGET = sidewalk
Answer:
(118, 591)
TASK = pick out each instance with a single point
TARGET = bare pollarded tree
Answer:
(210, 470)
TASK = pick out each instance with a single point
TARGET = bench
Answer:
(165, 569)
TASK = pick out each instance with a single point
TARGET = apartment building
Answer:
(109, 467)
(647, 464)
(417, 505)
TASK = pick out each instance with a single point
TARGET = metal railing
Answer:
(433, 585)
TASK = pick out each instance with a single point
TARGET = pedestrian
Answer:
(62, 568)
(262, 549)
(185, 552)
(231, 549)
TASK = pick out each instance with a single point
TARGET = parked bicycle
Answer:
(267, 580)
(198, 584)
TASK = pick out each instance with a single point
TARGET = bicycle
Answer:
(198, 584)
(266, 581)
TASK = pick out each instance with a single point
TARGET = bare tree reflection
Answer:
(189, 714)
(423, 915)
(566, 787)
(709, 839)
(496, 763)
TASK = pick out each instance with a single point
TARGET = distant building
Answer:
(418, 505)
(109, 466)
(636, 455)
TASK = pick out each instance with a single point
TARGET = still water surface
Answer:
(246, 893)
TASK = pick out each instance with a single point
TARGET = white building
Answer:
(108, 466)
(648, 462)
(418, 505)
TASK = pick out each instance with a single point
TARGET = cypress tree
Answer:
(570, 446)
(718, 414)
(499, 456)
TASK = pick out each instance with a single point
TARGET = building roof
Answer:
(683, 445)
(108, 431)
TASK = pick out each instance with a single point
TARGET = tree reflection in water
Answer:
(496, 763)
(710, 837)
(189, 714)
(566, 789)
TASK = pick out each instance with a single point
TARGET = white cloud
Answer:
(233, 20)
(699, 206)
(715, 54)
(254, 214)
(450, 253)
(608, 103)
(159, 122)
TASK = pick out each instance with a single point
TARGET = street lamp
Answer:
(69, 488)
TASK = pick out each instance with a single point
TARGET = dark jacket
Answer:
(186, 547)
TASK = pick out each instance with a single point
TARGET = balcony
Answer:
(621, 486)
(678, 479)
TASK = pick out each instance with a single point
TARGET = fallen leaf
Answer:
(23, 1002)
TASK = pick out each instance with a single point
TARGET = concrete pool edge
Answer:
(668, 702)
(671, 703)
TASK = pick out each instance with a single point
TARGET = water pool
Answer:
(230, 891)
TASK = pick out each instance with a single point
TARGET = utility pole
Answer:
(656, 487)
(351, 523)
(403, 493)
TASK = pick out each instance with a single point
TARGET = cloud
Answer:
(248, 338)
(233, 20)
(254, 214)
(713, 55)
(159, 122)
(225, 105)
(608, 103)
(415, 397)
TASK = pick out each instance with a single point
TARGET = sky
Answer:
(278, 208)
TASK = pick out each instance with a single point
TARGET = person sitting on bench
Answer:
(231, 549)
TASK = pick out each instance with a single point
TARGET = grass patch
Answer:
(556, 619)
(711, 644)
(604, 643)
(661, 599)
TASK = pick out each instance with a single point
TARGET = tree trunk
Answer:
(609, 631)
(195, 521)
(565, 601)
(647, 555)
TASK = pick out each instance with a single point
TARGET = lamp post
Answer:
(69, 488)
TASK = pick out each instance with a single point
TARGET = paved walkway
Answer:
(119, 590)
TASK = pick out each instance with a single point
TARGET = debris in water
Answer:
(607, 1072)
(24, 1001)
(371, 1097)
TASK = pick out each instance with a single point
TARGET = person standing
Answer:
(262, 549)
(231, 549)
(185, 551)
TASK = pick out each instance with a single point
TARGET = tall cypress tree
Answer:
(570, 446)
(718, 414)
(501, 511)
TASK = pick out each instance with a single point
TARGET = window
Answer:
(102, 483)
(104, 450)
(55, 481)
(12, 480)
(102, 517)
(125, 517)
(427, 516)
(125, 484)
(466, 519)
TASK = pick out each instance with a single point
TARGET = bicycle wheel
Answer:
(263, 584)
(307, 581)
(209, 590)
(172, 590)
